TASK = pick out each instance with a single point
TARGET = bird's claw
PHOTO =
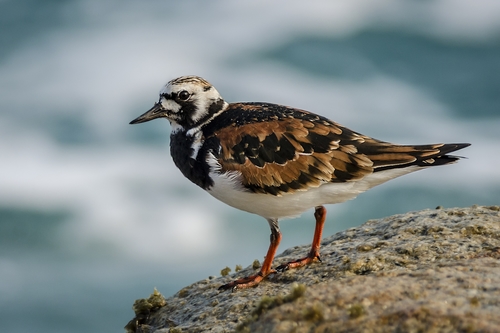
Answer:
(298, 263)
(282, 268)
(246, 282)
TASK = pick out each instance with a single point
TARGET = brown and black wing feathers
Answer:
(278, 149)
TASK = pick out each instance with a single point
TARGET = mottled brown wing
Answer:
(279, 149)
(291, 154)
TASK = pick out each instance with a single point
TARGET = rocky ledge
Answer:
(428, 271)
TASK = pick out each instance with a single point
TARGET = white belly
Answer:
(228, 189)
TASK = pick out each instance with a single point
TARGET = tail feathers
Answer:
(387, 157)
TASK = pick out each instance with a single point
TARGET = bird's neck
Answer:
(188, 152)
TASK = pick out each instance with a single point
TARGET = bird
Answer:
(277, 161)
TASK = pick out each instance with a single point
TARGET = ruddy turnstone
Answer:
(276, 161)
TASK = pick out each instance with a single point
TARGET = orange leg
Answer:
(320, 215)
(253, 280)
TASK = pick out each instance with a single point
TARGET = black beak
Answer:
(153, 113)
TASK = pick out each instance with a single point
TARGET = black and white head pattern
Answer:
(190, 101)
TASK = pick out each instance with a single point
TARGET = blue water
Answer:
(93, 213)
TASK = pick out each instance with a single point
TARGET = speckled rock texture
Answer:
(428, 271)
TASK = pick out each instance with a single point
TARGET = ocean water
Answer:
(93, 213)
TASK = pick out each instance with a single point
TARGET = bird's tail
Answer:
(390, 156)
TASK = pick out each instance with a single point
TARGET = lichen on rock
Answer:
(143, 308)
(433, 270)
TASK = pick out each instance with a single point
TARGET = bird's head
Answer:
(187, 102)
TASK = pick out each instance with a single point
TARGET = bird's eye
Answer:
(183, 95)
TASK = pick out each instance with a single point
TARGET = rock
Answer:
(428, 271)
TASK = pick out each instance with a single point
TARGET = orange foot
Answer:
(299, 262)
(320, 215)
(253, 280)
(246, 282)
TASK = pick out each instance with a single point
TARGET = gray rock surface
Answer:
(428, 271)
